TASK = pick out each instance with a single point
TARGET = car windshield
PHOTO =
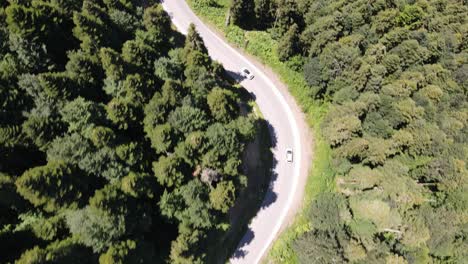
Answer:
(247, 71)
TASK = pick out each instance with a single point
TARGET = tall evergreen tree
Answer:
(193, 41)
(289, 44)
(264, 13)
(242, 13)
(53, 186)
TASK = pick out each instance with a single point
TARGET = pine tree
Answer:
(289, 44)
(264, 11)
(242, 13)
(194, 42)
(52, 186)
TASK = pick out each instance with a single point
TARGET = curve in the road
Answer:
(267, 223)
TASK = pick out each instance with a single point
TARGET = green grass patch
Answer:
(263, 47)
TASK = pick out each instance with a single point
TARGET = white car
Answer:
(289, 155)
(246, 73)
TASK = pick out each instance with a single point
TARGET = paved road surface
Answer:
(284, 125)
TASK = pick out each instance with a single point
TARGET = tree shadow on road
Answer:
(236, 76)
(257, 196)
(271, 196)
(246, 239)
(258, 193)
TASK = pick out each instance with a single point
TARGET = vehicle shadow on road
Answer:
(235, 75)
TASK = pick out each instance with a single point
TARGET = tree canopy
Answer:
(106, 115)
(392, 76)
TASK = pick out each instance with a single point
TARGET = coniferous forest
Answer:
(393, 75)
(120, 140)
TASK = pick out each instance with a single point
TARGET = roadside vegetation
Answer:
(384, 83)
(120, 140)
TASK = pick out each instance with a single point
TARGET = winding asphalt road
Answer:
(283, 117)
